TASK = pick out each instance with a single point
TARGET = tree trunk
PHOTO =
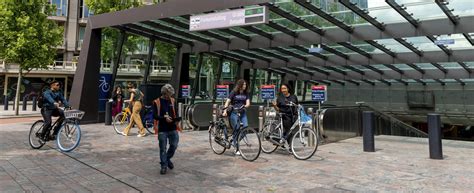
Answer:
(17, 95)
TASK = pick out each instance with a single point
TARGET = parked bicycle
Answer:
(301, 140)
(248, 140)
(68, 137)
(122, 120)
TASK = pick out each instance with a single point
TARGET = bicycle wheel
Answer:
(34, 136)
(216, 139)
(249, 144)
(121, 121)
(269, 129)
(304, 144)
(149, 126)
(68, 137)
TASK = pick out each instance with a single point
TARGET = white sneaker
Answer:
(237, 152)
(141, 135)
(122, 133)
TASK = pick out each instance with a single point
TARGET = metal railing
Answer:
(70, 66)
(348, 119)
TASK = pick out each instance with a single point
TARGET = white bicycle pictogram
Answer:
(103, 84)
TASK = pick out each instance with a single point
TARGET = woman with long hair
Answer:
(117, 99)
(239, 100)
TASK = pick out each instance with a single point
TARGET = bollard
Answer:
(34, 104)
(108, 113)
(180, 113)
(23, 106)
(260, 118)
(214, 112)
(5, 103)
(368, 124)
(311, 141)
(434, 136)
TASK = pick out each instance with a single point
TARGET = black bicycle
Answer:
(248, 140)
(68, 136)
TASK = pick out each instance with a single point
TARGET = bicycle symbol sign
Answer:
(103, 84)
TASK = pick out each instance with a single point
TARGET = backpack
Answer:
(40, 101)
(155, 122)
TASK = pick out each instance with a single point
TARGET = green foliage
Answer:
(165, 52)
(27, 37)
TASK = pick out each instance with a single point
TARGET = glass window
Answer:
(60, 6)
(84, 11)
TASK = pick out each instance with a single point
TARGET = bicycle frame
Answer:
(297, 123)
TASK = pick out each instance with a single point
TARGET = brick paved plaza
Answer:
(108, 162)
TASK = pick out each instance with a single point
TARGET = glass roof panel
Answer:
(428, 80)
(448, 80)
(424, 9)
(393, 45)
(460, 41)
(369, 48)
(451, 65)
(162, 31)
(402, 66)
(425, 66)
(470, 64)
(381, 67)
(410, 80)
(423, 43)
(461, 7)
(382, 12)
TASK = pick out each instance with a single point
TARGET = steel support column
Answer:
(151, 47)
(116, 60)
(195, 86)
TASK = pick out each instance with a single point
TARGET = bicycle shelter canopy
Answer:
(360, 48)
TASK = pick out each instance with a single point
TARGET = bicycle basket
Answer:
(74, 114)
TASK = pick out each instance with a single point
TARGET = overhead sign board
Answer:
(267, 92)
(222, 91)
(230, 18)
(444, 42)
(185, 91)
(319, 93)
(315, 50)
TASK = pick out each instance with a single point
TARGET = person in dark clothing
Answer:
(52, 100)
(164, 113)
(117, 98)
(282, 104)
(239, 99)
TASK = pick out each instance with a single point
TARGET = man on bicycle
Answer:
(52, 99)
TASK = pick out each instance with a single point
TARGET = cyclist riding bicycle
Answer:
(239, 99)
(52, 100)
(289, 112)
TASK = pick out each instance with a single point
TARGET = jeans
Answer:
(47, 114)
(163, 138)
(235, 124)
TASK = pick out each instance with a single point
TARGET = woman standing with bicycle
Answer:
(136, 97)
(282, 104)
(239, 100)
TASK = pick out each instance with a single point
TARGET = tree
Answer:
(164, 51)
(27, 37)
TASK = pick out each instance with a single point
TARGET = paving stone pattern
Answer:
(107, 162)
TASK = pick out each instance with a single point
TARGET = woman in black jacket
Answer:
(282, 104)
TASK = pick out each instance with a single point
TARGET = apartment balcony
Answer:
(69, 68)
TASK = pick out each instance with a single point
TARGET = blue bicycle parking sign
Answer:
(267, 92)
(222, 91)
